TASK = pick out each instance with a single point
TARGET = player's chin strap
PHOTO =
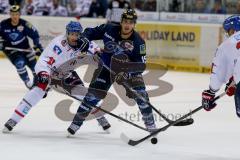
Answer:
(136, 142)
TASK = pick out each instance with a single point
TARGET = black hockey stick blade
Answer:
(134, 143)
(185, 122)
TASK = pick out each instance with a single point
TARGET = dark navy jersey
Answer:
(16, 36)
(134, 46)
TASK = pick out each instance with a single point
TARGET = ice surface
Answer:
(42, 136)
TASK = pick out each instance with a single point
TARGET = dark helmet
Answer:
(129, 14)
(15, 8)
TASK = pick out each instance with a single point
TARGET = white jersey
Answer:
(75, 12)
(4, 6)
(59, 53)
(37, 8)
(224, 62)
(115, 10)
(59, 11)
(84, 6)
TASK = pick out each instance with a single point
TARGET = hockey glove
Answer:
(83, 44)
(38, 50)
(230, 88)
(208, 100)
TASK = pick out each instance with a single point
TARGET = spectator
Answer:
(231, 7)
(15, 2)
(115, 10)
(139, 4)
(96, 10)
(4, 6)
(175, 6)
(104, 4)
(73, 9)
(238, 7)
(217, 8)
(56, 9)
(150, 5)
(84, 6)
(35, 7)
(200, 7)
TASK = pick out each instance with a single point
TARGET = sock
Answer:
(29, 100)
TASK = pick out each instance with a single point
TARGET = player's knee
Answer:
(19, 64)
(90, 100)
(43, 80)
(142, 94)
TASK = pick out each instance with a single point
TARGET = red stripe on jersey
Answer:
(20, 114)
(238, 45)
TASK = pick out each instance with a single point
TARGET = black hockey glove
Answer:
(83, 44)
(38, 50)
(208, 100)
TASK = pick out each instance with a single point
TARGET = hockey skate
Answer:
(8, 126)
(72, 129)
(149, 122)
(102, 121)
(151, 128)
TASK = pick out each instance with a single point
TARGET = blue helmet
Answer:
(232, 22)
(74, 27)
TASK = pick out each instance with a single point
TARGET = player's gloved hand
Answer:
(230, 89)
(208, 100)
(38, 50)
(83, 44)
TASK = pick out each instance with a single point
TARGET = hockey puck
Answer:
(154, 140)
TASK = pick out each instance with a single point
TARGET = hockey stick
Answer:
(19, 49)
(99, 108)
(183, 122)
(111, 114)
(136, 142)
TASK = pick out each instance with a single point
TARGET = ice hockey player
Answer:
(115, 39)
(225, 66)
(14, 32)
(61, 50)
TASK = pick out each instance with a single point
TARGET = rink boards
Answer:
(178, 46)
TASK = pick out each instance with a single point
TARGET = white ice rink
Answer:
(41, 135)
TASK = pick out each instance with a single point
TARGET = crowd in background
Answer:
(99, 8)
